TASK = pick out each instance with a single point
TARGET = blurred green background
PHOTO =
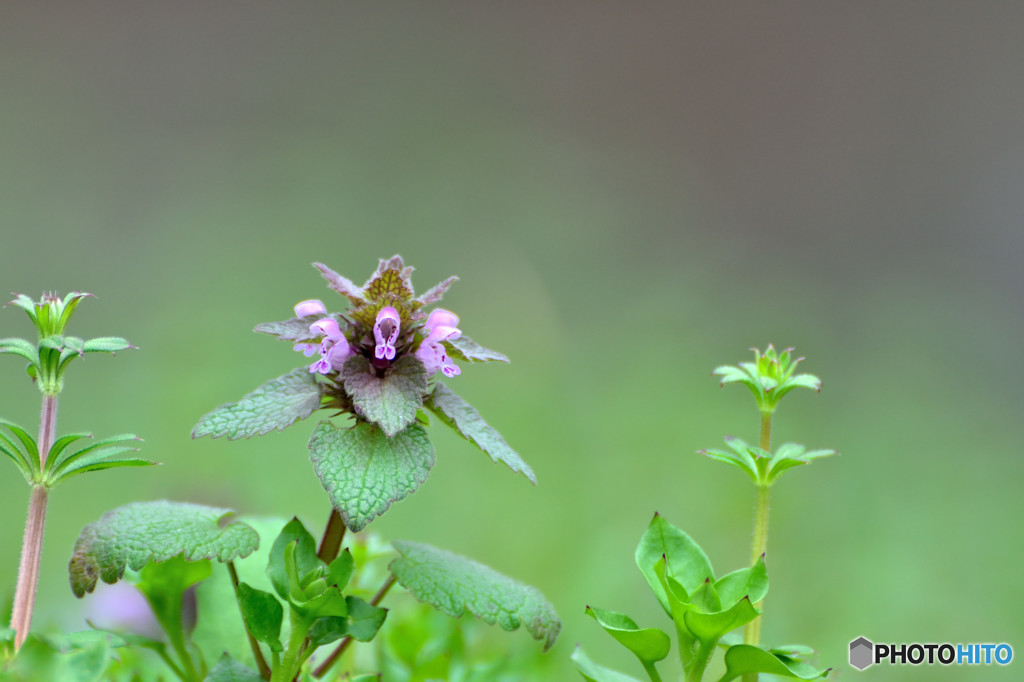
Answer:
(632, 195)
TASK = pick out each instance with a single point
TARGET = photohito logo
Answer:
(864, 653)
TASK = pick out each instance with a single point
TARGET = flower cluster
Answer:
(385, 324)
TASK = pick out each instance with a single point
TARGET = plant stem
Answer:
(257, 653)
(752, 632)
(700, 663)
(324, 667)
(32, 544)
(652, 672)
(296, 642)
(334, 533)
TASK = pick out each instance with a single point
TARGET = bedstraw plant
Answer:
(704, 610)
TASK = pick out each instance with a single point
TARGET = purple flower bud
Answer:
(310, 307)
(385, 332)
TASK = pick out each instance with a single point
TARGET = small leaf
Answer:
(342, 285)
(230, 670)
(649, 644)
(388, 285)
(434, 294)
(293, 533)
(746, 582)
(364, 619)
(20, 347)
(364, 471)
(295, 329)
(742, 659)
(390, 401)
(733, 459)
(687, 562)
(143, 532)
(592, 672)
(106, 344)
(465, 348)
(262, 614)
(454, 584)
(709, 627)
(463, 417)
(277, 404)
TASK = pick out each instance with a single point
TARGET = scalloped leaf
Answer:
(687, 562)
(364, 471)
(143, 532)
(465, 348)
(742, 659)
(390, 401)
(463, 417)
(387, 286)
(277, 404)
(455, 585)
(592, 672)
(230, 670)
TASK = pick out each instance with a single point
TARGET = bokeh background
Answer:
(632, 194)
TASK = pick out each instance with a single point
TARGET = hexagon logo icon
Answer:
(862, 653)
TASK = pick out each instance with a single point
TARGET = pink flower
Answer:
(334, 347)
(385, 333)
(440, 327)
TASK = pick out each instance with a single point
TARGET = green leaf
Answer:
(709, 627)
(390, 401)
(63, 463)
(164, 584)
(106, 344)
(143, 532)
(743, 658)
(31, 450)
(455, 584)
(687, 562)
(295, 329)
(592, 672)
(277, 404)
(364, 471)
(649, 644)
(262, 614)
(340, 570)
(364, 619)
(791, 455)
(743, 463)
(746, 582)
(306, 561)
(461, 416)
(230, 670)
(465, 348)
(25, 349)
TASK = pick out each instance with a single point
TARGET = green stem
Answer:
(752, 632)
(296, 643)
(652, 672)
(700, 662)
(35, 524)
(257, 653)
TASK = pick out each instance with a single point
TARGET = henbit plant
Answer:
(377, 365)
(48, 460)
(704, 610)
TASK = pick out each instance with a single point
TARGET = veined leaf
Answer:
(143, 532)
(463, 417)
(277, 404)
(390, 401)
(455, 584)
(364, 471)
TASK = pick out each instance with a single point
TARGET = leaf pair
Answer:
(763, 467)
(702, 610)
